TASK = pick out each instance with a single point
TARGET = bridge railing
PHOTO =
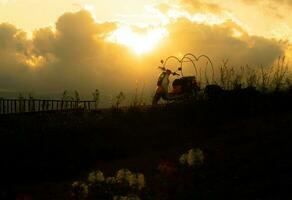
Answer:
(13, 106)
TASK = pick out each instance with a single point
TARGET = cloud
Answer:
(271, 7)
(76, 55)
(278, 2)
(195, 6)
(14, 51)
(201, 6)
(227, 40)
(77, 52)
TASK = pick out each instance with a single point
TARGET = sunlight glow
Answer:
(91, 9)
(139, 42)
(34, 61)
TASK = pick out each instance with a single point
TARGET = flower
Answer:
(192, 158)
(141, 181)
(135, 180)
(96, 176)
(123, 175)
(110, 180)
(183, 159)
(80, 188)
(130, 197)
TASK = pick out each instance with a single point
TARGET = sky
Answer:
(51, 45)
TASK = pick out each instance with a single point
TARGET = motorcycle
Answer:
(185, 87)
(182, 88)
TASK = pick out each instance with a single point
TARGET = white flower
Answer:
(192, 157)
(96, 176)
(183, 159)
(110, 180)
(131, 197)
(122, 175)
(141, 181)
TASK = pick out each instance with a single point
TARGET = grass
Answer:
(245, 143)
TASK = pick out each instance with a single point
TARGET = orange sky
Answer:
(111, 44)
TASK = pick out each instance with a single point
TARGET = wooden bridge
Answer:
(14, 106)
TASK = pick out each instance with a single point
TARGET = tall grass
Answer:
(264, 79)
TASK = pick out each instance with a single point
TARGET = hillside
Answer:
(245, 141)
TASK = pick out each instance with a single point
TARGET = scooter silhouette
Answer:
(182, 88)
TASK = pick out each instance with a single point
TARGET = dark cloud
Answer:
(14, 51)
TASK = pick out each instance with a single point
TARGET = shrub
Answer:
(193, 158)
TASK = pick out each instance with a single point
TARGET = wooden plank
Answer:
(15, 110)
(10, 105)
(61, 105)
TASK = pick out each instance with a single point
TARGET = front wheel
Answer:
(156, 98)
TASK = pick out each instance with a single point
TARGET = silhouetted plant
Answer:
(265, 79)
(138, 99)
(21, 105)
(252, 78)
(76, 96)
(96, 97)
(280, 73)
(31, 104)
(65, 95)
(119, 99)
(65, 98)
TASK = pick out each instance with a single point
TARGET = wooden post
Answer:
(10, 104)
(15, 111)
(8, 107)
(19, 106)
(29, 105)
(34, 106)
(25, 106)
(43, 106)
(47, 102)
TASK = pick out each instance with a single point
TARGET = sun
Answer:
(139, 42)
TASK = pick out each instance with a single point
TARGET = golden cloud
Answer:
(77, 55)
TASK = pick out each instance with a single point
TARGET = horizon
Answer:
(112, 45)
